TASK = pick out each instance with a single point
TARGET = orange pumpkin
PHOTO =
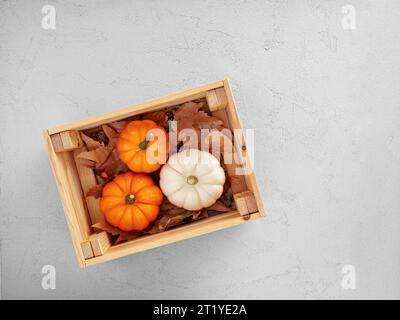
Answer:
(143, 146)
(131, 201)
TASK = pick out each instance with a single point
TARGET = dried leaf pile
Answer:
(102, 157)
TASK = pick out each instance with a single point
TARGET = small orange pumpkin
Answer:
(143, 146)
(131, 201)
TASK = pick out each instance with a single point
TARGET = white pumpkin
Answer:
(192, 179)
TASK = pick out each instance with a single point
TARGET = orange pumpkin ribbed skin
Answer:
(131, 201)
(134, 146)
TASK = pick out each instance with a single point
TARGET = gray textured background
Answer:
(324, 102)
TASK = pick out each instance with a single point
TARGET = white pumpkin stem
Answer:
(192, 180)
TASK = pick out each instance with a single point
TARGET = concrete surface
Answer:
(324, 102)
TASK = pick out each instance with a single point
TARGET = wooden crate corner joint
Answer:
(216, 99)
(66, 140)
(97, 245)
(245, 203)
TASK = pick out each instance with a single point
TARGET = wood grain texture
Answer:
(100, 243)
(240, 202)
(66, 141)
(245, 202)
(88, 180)
(251, 202)
(71, 201)
(71, 139)
(216, 99)
(87, 250)
(75, 194)
(57, 142)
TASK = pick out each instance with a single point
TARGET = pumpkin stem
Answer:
(130, 199)
(192, 180)
(143, 144)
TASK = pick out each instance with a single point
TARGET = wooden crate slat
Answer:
(88, 180)
(66, 141)
(79, 233)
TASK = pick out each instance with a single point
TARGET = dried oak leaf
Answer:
(168, 207)
(219, 206)
(119, 125)
(96, 157)
(111, 134)
(189, 116)
(128, 236)
(158, 117)
(200, 214)
(227, 199)
(169, 220)
(113, 165)
(91, 144)
(105, 226)
(103, 158)
(114, 231)
(97, 134)
(95, 191)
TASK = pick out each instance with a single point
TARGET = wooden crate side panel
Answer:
(235, 123)
(72, 202)
(76, 194)
(219, 222)
(87, 181)
(151, 105)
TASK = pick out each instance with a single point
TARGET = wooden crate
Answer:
(73, 180)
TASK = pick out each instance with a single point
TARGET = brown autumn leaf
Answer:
(86, 163)
(169, 220)
(113, 165)
(158, 117)
(119, 125)
(90, 143)
(105, 226)
(227, 199)
(115, 168)
(103, 158)
(219, 206)
(114, 231)
(111, 134)
(200, 214)
(189, 116)
(168, 207)
(128, 236)
(95, 191)
(96, 157)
